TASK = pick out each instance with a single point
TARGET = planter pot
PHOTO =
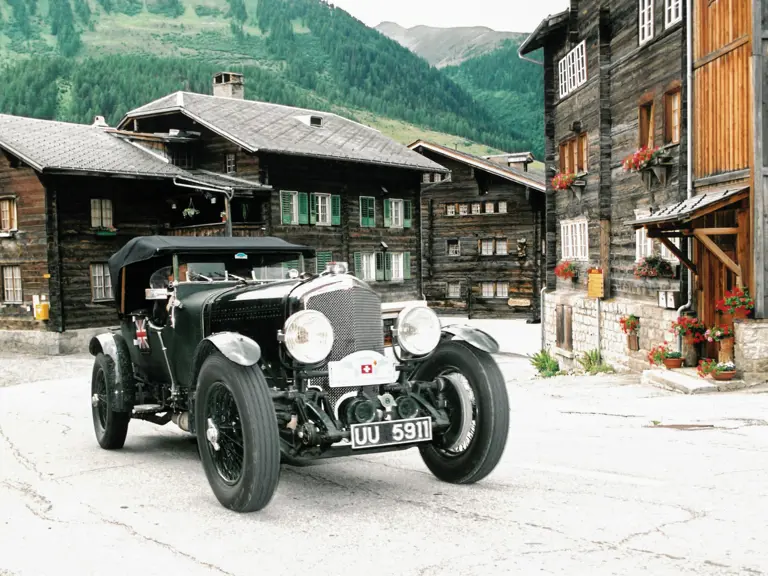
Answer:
(725, 353)
(688, 339)
(633, 342)
(672, 363)
(723, 376)
(740, 314)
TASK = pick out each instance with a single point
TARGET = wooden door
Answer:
(715, 279)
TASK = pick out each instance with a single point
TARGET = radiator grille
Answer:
(355, 315)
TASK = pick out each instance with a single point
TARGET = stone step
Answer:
(687, 381)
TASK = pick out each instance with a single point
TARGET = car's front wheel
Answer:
(110, 427)
(237, 434)
(478, 409)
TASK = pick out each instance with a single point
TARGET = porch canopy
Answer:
(698, 217)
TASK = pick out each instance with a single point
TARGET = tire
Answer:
(491, 413)
(228, 392)
(110, 427)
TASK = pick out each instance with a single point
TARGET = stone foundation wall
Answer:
(750, 351)
(48, 343)
(654, 329)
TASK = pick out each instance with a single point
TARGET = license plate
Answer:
(391, 432)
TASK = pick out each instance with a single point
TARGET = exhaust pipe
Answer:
(181, 419)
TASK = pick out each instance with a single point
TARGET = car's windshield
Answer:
(243, 266)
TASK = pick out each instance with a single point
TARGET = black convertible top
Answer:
(143, 248)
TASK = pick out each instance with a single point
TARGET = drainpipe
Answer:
(689, 144)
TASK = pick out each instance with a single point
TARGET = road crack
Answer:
(23, 460)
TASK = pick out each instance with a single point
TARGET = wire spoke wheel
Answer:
(461, 408)
(101, 397)
(224, 433)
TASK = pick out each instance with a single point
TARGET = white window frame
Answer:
(450, 210)
(501, 247)
(101, 213)
(453, 249)
(643, 245)
(673, 12)
(488, 289)
(574, 239)
(323, 203)
(573, 69)
(9, 218)
(666, 254)
(453, 290)
(425, 177)
(503, 207)
(368, 260)
(477, 208)
(463, 210)
(486, 247)
(396, 213)
(231, 164)
(645, 22)
(397, 267)
(502, 289)
(12, 288)
(101, 282)
(489, 208)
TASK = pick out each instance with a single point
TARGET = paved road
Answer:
(589, 484)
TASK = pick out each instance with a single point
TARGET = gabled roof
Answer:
(534, 180)
(264, 127)
(537, 39)
(691, 208)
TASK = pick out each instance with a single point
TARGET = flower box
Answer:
(105, 232)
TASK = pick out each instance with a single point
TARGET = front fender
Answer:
(474, 336)
(112, 344)
(236, 347)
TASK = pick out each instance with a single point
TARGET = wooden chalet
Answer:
(193, 164)
(483, 230)
(625, 74)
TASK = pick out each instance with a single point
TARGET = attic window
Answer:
(316, 121)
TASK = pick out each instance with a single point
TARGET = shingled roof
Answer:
(264, 127)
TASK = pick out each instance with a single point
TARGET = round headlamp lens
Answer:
(418, 330)
(308, 336)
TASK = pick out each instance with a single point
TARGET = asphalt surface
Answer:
(593, 481)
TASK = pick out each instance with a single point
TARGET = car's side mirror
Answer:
(156, 293)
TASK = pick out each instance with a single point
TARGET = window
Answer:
(502, 207)
(574, 155)
(673, 12)
(486, 247)
(574, 239)
(101, 213)
(367, 269)
(463, 209)
(646, 128)
(450, 209)
(502, 289)
(454, 290)
(454, 248)
(321, 261)
(231, 164)
(501, 247)
(12, 284)
(398, 213)
(181, 155)
(489, 207)
(397, 266)
(666, 253)
(645, 20)
(322, 209)
(367, 211)
(7, 214)
(573, 70)
(672, 117)
(476, 208)
(101, 283)
(438, 177)
(425, 177)
(489, 289)
(289, 203)
(643, 244)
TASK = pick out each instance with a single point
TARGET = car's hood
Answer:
(296, 289)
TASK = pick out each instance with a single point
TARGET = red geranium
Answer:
(565, 270)
(562, 181)
(640, 158)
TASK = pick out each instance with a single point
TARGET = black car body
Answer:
(231, 340)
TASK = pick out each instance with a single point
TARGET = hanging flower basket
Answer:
(654, 267)
(629, 324)
(566, 270)
(737, 302)
(645, 158)
(562, 181)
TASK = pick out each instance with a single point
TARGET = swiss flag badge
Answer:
(366, 369)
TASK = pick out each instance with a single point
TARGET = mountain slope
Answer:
(447, 46)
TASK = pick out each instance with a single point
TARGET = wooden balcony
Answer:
(218, 229)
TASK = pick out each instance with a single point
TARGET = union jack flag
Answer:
(142, 341)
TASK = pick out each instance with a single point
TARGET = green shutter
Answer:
(335, 210)
(291, 264)
(379, 266)
(372, 212)
(323, 258)
(407, 213)
(313, 208)
(388, 266)
(387, 219)
(358, 257)
(407, 265)
(303, 208)
(286, 207)
(367, 213)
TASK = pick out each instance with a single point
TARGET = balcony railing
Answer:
(218, 229)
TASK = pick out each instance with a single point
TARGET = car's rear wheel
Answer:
(110, 427)
(478, 408)
(237, 434)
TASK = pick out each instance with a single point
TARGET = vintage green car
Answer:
(233, 341)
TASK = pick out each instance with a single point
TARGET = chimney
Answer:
(100, 122)
(228, 85)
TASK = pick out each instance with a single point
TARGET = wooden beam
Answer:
(730, 47)
(676, 251)
(656, 233)
(716, 231)
(717, 251)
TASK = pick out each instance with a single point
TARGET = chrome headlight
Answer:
(308, 336)
(418, 330)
